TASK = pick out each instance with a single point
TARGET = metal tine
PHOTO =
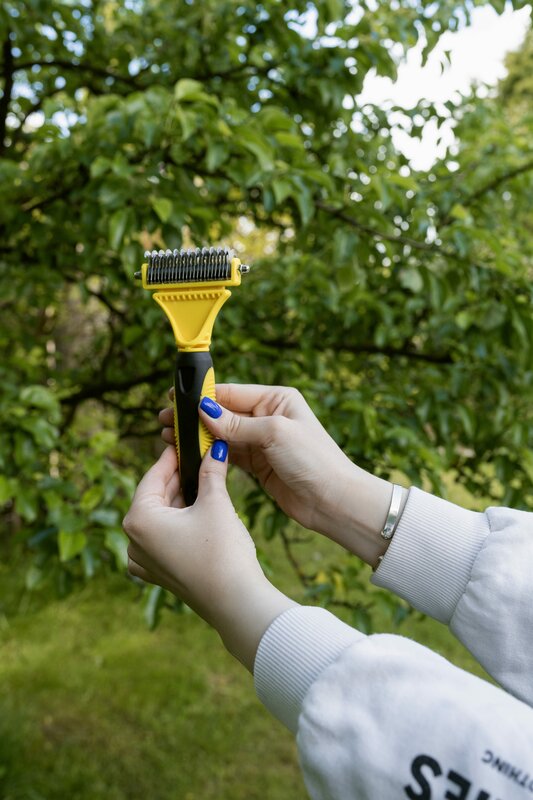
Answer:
(188, 265)
(175, 264)
(199, 264)
(206, 257)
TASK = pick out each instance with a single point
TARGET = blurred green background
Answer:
(397, 300)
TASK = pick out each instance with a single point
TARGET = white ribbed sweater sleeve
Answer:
(382, 717)
(474, 572)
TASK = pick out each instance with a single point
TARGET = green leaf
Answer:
(190, 122)
(460, 212)
(26, 502)
(304, 201)
(44, 433)
(104, 516)
(189, 90)
(39, 397)
(492, 317)
(117, 227)
(289, 139)
(362, 620)
(282, 188)
(102, 442)
(346, 275)
(70, 544)
(91, 497)
(335, 10)
(411, 279)
(467, 419)
(117, 542)
(7, 489)
(100, 166)
(34, 578)
(155, 600)
(344, 245)
(217, 153)
(89, 562)
(464, 319)
(92, 466)
(258, 145)
(273, 118)
(270, 527)
(162, 207)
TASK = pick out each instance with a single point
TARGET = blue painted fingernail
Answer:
(211, 408)
(219, 450)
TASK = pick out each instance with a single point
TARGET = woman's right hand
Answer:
(273, 433)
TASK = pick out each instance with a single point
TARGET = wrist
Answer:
(359, 513)
(245, 614)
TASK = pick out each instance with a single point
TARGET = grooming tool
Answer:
(191, 288)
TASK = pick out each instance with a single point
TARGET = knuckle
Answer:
(130, 525)
(232, 425)
(293, 393)
(294, 396)
(132, 568)
(276, 431)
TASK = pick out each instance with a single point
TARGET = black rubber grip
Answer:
(190, 375)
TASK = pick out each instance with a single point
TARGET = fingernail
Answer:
(219, 450)
(211, 408)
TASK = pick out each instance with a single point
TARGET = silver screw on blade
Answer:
(244, 269)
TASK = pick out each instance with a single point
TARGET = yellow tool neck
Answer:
(192, 314)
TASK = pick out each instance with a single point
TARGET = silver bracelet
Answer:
(393, 517)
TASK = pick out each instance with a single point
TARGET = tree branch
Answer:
(96, 390)
(488, 187)
(339, 213)
(106, 302)
(65, 64)
(304, 579)
(31, 206)
(307, 580)
(8, 67)
(418, 355)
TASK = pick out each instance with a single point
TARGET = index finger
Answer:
(244, 397)
(160, 480)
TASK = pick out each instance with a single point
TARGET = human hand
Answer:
(202, 553)
(274, 434)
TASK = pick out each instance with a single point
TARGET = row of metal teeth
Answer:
(201, 264)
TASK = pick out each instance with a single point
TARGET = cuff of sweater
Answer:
(294, 650)
(430, 557)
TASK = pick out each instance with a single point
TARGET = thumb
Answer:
(224, 424)
(213, 471)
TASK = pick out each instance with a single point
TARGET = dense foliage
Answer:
(398, 302)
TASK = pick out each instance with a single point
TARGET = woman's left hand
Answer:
(202, 553)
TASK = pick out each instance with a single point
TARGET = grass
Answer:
(93, 705)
